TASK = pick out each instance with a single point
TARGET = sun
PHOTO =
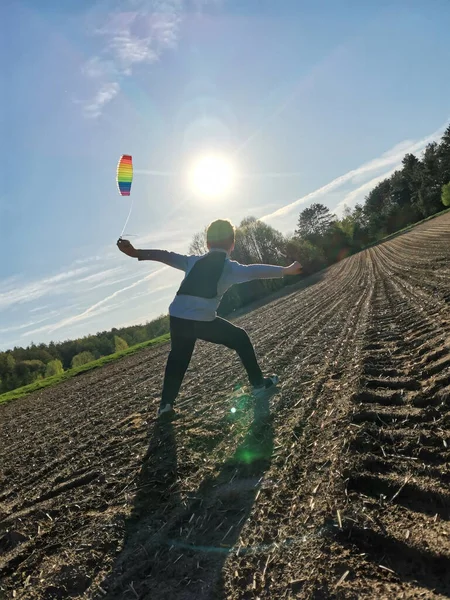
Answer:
(212, 176)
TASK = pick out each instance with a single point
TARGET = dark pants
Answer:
(184, 333)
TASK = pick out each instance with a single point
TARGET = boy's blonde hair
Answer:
(220, 234)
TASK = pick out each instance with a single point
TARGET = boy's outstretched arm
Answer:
(242, 273)
(294, 269)
(172, 259)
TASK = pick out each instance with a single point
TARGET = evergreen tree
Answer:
(429, 201)
(444, 157)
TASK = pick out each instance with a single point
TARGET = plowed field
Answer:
(342, 493)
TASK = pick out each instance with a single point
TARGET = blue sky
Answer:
(315, 101)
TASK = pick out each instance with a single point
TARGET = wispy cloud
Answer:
(79, 279)
(96, 308)
(101, 276)
(388, 162)
(96, 68)
(360, 192)
(105, 94)
(88, 260)
(38, 308)
(164, 238)
(19, 294)
(137, 33)
(46, 304)
(109, 282)
(23, 326)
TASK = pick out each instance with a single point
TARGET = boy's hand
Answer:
(127, 248)
(294, 269)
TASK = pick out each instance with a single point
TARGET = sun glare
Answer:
(212, 176)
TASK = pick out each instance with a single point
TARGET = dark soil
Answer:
(342, 493)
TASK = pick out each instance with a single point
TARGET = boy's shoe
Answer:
(268, 384)
(165, 410)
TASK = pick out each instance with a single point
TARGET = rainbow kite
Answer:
(125, 174)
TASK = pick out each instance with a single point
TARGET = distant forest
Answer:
(421, 188)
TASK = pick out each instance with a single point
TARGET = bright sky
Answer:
(314, 101)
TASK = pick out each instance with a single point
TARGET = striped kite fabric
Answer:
(125, 174)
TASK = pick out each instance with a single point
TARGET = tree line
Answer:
(421, 188)
(21, 366)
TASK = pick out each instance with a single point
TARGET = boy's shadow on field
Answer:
(175, 548)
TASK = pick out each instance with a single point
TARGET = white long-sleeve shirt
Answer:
(205, 309)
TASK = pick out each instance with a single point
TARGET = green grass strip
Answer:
(95, 364)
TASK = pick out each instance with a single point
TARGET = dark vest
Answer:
(202, 279)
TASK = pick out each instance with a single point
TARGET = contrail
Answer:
(388, 159)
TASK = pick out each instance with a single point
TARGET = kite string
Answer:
(129, 215)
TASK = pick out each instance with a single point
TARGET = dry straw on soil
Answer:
(342, 494)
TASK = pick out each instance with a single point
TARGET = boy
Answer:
(193, 311)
